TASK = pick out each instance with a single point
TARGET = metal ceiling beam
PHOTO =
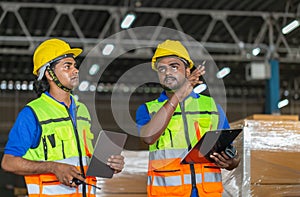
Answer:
(238, 46)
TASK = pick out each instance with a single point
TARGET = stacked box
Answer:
(269, 147)
(270, 150)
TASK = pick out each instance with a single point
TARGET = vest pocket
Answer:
(205, 123)
(65, 136)
(211, 179)
(166, 182)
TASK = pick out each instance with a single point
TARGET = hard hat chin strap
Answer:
(56, 81)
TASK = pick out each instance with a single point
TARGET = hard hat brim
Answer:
(74, 51)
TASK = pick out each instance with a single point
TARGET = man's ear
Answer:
(187, 71)
(48, 76)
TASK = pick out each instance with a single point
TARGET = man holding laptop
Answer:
(51, 142)
(172, 124)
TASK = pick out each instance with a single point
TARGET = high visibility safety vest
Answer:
(58, 143)
(166, 176)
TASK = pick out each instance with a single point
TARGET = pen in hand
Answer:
(201, 87)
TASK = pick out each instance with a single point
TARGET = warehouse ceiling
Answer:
(228, 30)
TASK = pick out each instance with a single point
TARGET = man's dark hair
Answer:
(42, 85)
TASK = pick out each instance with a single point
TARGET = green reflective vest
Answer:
(191, 119)
(58, 137)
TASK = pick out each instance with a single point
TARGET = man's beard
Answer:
(171, 89)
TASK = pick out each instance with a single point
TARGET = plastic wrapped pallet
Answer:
(131, 182)
(270, 151)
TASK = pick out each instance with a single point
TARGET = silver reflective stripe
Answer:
(167, 181)
(198, 178)
(93, 189)
(33, 188)
(58, 189)
(188, 178)
(75, 161)
(212, 177)
(167, 154)
(149, 180)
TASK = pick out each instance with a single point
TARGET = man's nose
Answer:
(75, 70)
(169, 70)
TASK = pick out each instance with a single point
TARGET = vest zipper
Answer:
(63, 149)
(185, 125)
(45, 148)
(79, 150)
(188, 141)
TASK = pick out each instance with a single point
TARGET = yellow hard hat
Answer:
(171, 48)
(50, 50)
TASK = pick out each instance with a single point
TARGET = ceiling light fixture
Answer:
(107, 50)
(283, 103)
(128, 20)
(256, 51)
(223, 72)
(290, 27)
(200, 88)
(94, 69)
(83, 86)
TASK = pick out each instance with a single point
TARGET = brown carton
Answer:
(270, 152)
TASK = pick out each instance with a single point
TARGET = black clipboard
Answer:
(108, 143)
(211, 141)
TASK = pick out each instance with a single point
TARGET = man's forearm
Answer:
(21, 166)
(159, 122)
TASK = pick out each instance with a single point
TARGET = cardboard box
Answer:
(270, 152)
(132, 181)
(275, 190)
(273, 117)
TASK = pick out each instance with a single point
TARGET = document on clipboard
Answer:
(108, 143)
(211, 141)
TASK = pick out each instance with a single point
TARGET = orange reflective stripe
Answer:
(47, 185)
(197, 128)
(88, 153)
(32, 179)
(167, 177)
(61, 195)
(164, 164)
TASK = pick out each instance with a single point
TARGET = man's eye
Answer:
(174, 68)
(161, 69)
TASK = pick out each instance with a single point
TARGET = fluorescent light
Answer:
(94, 69)
(10, 85)
(3, 85)
(256, 51)
(93, 88)
(108, 49)
(128, 20)
(223, 72)
(290, 27)
(30, 86)
(24, 85)
(283, 103)
(84, 86)
(200, 88)
(18, 85)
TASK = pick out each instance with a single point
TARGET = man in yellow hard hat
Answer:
(175, 122)
(51, 141)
